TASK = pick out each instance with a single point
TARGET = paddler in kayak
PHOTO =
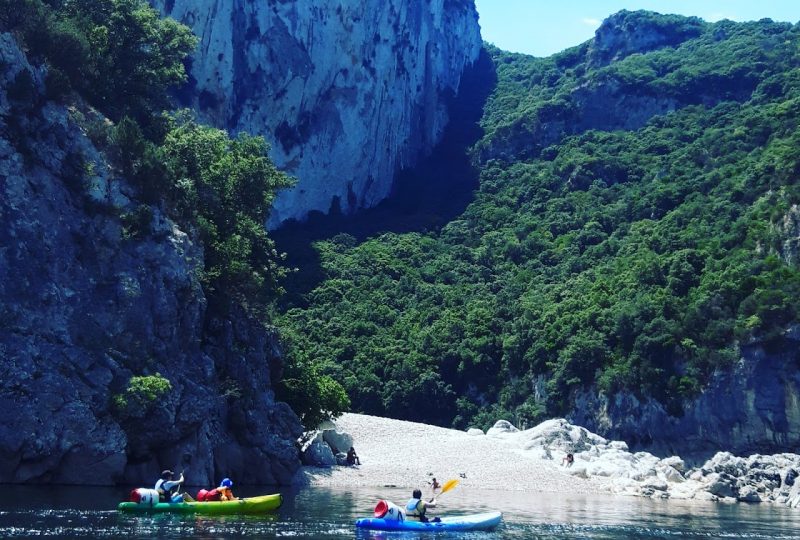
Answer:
(416, 507)
(168, 489)
(221, 493)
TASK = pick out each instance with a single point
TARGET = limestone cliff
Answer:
(347, 91)
(754, 407)
(85, 306)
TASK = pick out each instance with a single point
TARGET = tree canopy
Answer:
(595, 254)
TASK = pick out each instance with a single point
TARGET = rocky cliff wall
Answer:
(85, 306)
(347, 91)
(755, 407)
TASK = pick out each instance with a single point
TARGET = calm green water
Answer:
(65, 512)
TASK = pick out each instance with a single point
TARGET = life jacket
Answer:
(213, 495)
(165, 495)
(413, 508)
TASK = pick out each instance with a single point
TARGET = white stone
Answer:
(705, 496)
(337, 440)
(675, 462)
(670, 474)
(318, 454)
(474, 431)
(501, 428)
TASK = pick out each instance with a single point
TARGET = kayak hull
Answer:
(249, 505)
(474, 522)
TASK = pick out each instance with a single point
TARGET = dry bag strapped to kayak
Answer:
(389, 511)
(144, 496)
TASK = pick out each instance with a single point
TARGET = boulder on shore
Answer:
(724, 477)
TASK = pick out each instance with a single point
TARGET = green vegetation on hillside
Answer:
(121, 58)
(141, 393)
(634, 260)
(118, 54)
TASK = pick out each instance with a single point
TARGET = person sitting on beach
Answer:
(416, 507)
(568, 460)
(352, 457)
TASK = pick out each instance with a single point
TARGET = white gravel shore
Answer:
(395, 453)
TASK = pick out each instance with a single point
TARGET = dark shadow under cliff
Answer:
(423, 199)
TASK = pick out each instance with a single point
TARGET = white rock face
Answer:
(337, 440)
(724, 478)
(501, 428)
(347, 91)
(325, 447)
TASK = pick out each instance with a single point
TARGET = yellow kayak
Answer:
(249, 505)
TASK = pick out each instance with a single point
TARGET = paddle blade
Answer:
(450, 484)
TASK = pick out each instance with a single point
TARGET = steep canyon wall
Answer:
(85, 307)
(347, 91)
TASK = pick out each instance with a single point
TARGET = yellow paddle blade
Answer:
(450, 484)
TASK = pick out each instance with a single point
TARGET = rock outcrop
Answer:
(755, 407)
(326, 447)
(86, 306)
(597, 94)
(629, 32)
(346, 92)
(724, 477)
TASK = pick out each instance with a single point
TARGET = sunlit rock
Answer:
(347, 92)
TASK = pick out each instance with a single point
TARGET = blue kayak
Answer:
(473, 522)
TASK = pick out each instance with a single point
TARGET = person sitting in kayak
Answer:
(225, 493)
(416, 507)
(168, 489)
(221, 493)
(352, 457)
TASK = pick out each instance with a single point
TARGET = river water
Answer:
(69, 512)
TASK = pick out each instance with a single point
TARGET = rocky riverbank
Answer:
(406, 454)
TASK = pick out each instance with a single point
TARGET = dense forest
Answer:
(632, 227)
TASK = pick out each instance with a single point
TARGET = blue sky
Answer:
(544, 27)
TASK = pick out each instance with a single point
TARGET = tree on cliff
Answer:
(226, 187)
(118, 54)
(121, 58)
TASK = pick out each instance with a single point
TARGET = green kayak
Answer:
(250, 505)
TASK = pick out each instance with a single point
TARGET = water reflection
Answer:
(62, 512)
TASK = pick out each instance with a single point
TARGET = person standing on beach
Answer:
(434, 486)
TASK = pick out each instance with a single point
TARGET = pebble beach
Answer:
(396, 453)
